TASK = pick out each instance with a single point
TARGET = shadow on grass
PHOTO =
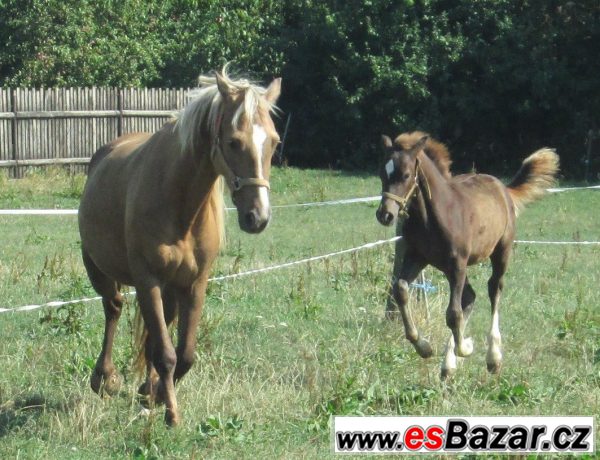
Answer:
(15, 414)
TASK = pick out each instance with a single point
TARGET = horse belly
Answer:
(101, 226)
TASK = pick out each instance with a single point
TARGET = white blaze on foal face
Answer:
(259, 136)
(389, 168)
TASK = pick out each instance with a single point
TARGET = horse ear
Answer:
(273, 91)
(386, 142)
(419, 145)
(223, 87)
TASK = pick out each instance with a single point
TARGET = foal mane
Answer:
(203, 112)
(436, 151)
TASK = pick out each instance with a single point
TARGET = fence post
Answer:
(120, 109)
(13, 130)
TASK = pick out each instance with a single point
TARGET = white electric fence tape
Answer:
(367, 199)
(57, 303)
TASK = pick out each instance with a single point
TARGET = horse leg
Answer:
(149, 389)
(455, 319)
(499, 260)
(105, 379)
(392, 311)
(450, 361)
(189, 318)
(149, 293)
(411, 267)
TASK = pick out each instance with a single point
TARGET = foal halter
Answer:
(236, 182)
(405, 200)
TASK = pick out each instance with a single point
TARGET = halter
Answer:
(236, 182)
(405, 200)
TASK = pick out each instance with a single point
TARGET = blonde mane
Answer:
(205, 108)
(436, 151)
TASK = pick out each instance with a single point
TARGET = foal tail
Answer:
(140, 336)
(537, 173)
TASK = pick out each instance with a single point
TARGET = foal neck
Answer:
(434, 190)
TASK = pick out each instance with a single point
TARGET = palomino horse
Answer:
(452, 222)
(151, 216)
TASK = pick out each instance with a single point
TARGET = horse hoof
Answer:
(150, 394)
(172, 418)
(466, 349)
(106, 385)
(494, 368)
(423, 348)
(447, 373)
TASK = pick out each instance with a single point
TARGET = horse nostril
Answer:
(384, 217)
(250, 219)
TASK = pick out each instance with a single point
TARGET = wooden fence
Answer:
(42, 126)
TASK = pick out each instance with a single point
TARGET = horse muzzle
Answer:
(254, 220)
(385, 216)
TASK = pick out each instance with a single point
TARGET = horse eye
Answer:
(235, 144)
(406, 176)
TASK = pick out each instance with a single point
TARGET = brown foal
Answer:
(452, 222)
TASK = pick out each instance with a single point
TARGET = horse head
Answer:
(246, 139)
(399, 178)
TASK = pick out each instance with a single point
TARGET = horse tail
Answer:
(99, 155)
(140, 334)
(537, 173)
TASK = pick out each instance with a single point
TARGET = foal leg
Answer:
(149, 293)
(454, 314)
(449, 364)
(411, 267)
(392, 311)
(495, 284)
(105, 377)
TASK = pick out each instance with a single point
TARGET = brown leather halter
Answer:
(235, 182)
(405, 200)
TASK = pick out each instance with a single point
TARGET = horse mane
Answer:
(205, 108)
(436, 151)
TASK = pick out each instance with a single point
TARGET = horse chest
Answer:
(183, 263)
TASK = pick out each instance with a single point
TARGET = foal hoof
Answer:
(106, 385)
(466, 349)
(423, 348)
(172, 418)
(494, 368)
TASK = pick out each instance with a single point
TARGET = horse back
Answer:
(490, 213)
(131, 140)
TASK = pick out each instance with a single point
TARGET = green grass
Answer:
(280, 352)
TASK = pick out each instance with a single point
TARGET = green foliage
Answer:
(495, 79)
(80, 43)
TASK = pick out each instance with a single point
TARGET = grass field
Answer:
(279, 353)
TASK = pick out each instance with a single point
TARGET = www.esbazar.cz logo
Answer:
(463, 434)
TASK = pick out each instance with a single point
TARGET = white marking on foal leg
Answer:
(494, 354)
(259, 136)
(389, 168)
(450, 362)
